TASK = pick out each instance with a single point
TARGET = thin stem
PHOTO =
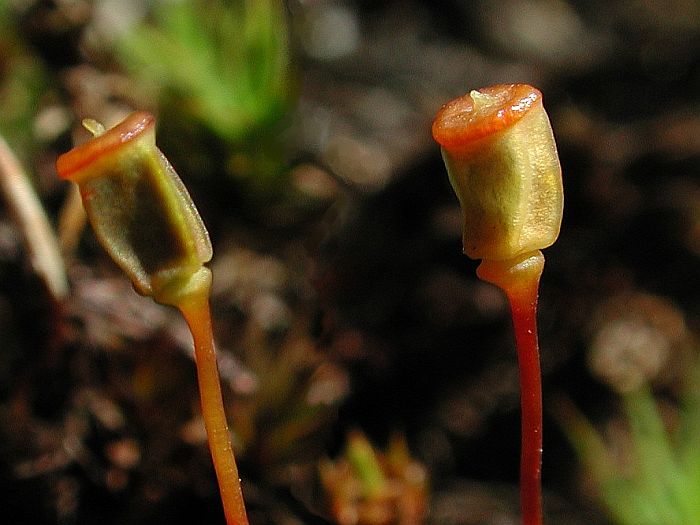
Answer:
(197, 314)
(519, 278)
(523, 303)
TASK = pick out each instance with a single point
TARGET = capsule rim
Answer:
(456, 125)
(80, 157)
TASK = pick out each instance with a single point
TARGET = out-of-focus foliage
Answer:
(657, 477)
(646, 465)
(226, 63)
(22, 83)
(224, 66)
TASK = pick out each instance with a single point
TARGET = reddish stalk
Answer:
(520, 279)
(523, 304)
(196, 311)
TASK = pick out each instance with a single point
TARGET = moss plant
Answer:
(645, 464)
(368, 487)
(227, 63)
(653, 477)
(502, 161)
(146, 220)
(226, 66)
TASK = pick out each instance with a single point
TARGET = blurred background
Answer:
(369, 377)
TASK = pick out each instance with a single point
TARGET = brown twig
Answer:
(28, 214)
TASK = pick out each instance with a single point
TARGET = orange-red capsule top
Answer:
(80, 157)
(461, 121)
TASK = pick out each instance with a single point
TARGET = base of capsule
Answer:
(513, 274)
(178, 287)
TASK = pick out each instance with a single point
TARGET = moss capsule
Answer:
(139, 209)
(502, 161)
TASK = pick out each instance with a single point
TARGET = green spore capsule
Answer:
(139, 208)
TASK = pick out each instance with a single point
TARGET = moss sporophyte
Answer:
(144, 217)
(502, 161)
